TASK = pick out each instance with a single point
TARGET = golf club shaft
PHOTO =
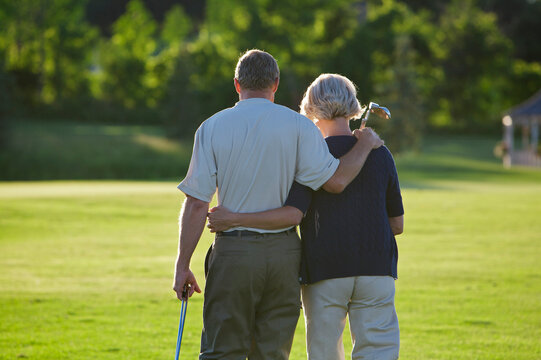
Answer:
(183, 309)
(183, 319)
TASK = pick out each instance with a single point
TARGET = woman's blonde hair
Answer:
(331, 96)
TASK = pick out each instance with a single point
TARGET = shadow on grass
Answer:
(43, 151)
(72, 151)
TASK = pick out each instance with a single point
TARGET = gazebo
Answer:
(526, 117)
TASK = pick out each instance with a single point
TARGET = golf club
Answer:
(183, 309)
(380, 111)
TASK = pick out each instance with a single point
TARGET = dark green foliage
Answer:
(181, 108)
(5, 104)
(520, 21)
(103, 13)
(525, 80)
(463, 62)
(475, 62)
(124, 59)
(46, 46)
(517, 19)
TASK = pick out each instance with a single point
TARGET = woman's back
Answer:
(349, 234)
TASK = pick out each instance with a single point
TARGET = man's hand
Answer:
(220, 219)
(368, 136)
(185, 277)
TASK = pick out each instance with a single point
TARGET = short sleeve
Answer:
(394, 197)
(300, 197)
(315, 164)
(200, 181)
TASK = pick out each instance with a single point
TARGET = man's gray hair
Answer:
(331, 96)
(256, 70)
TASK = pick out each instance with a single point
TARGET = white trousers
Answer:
(369, 302)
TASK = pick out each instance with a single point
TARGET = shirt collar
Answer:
(253, 101)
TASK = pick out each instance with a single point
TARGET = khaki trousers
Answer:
(252, 297)
(369, 303)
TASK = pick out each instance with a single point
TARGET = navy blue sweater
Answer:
(349, 234)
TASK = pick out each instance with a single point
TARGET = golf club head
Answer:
(380, 111)
(373, 108)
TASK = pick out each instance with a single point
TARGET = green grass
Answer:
(86, 266)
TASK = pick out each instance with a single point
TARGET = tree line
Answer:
(438, 65)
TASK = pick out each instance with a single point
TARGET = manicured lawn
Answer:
(48, 150)
(86, 266)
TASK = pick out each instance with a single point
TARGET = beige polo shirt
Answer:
(251, 153)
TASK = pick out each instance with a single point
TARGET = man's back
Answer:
(253, 152)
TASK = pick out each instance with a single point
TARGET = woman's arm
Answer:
(291, 214)
(221, 219)
(397, 224)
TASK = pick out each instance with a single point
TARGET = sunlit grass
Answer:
(86, 267)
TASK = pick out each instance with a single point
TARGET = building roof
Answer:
(530, 107)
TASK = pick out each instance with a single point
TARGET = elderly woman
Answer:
(349, 252)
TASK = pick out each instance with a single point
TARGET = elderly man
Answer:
(252, 153)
